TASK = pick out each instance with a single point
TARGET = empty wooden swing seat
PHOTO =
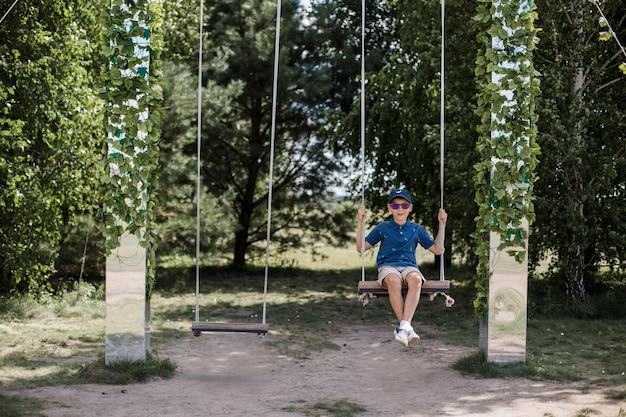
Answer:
(259, 328)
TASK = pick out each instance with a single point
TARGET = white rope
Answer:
(271, 168)
(198, 179)
(8, 11)
(362, 225)
(442, 132)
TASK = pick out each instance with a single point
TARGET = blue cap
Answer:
(400, 193)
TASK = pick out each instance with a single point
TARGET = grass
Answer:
(59, 341)
(588, 349)
(13, 406)
(50, 342)
(341, 408)
(124, 372)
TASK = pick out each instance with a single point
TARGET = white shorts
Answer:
(402, 271)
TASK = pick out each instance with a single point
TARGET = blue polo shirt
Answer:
(398, 243)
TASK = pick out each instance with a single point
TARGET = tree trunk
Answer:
(246, 207)
(575, 278)
(574, 262)
(241, 245)
(574, 257)
(245, 215)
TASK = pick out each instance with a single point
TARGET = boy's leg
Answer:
(391, 279)
(393, 283)
(414, 282)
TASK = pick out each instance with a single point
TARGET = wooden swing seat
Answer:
(428, 288)
(259, 328)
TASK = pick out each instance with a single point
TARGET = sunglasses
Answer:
(396, 206)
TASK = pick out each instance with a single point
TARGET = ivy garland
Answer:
(507, 145)
(133, 93)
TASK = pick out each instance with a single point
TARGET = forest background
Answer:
(52, 136)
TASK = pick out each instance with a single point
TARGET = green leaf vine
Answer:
(131, 80)
(504, 178)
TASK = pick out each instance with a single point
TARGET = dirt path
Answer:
(235, 375)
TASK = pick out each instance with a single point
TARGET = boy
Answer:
(397, 265)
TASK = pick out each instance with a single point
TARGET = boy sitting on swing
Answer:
(397, 265)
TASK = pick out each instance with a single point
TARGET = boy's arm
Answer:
(437, 248)
(359, 230)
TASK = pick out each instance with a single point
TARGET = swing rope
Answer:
(441, 132)
(271, 167)
(234, 326)
(198, 164)
(363, 136)
(442, 121)
(8, 11)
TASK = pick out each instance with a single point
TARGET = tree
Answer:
(176, 220)
(419, 167)
(176, 215)
(49, 132)
(403, 49)
(236, 146)
(580, 201)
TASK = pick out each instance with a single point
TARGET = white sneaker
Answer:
(411, 337)
(401, 336)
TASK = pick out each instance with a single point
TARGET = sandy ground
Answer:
(235, 375)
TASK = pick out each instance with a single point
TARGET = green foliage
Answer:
(418, 157)
(129, 177)
(176, 219)
(609, 33)
(580, 201)
(604, 300)
(49, 134)
(181, 32)
(504, 177)
(236, 131)
(81, 252)
(83, 299)
(402, 100)
(235, 142)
